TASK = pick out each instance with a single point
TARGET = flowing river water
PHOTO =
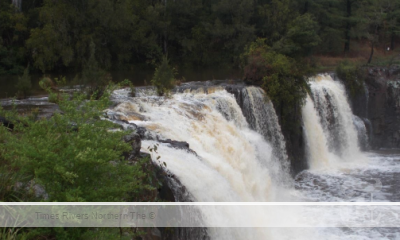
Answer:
(238, 154)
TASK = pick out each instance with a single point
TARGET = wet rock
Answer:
(380, 104)
(176, 144)
(142, 132)
(135, 141)
(179, 145)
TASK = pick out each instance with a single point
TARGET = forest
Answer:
(63, 35)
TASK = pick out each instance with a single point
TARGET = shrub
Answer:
(24, 84)
(73, 155)
(127, 83)
(283, 78)
(164, 77)
(352, 76)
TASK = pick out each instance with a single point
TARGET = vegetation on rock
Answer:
(352, 76)
(164, 77)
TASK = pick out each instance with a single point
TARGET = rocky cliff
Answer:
(379, 105)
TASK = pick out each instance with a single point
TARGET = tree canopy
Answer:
(51, 35)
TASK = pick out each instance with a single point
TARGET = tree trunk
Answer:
(372, 53)
(305, 7)
(392, 42)
(348, 27)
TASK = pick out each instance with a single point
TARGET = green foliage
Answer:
(12, 234)
(50, 87)
(60, 35)
(127, 83)
(69, 233)
(301, 37)
(73, 155)
(282, 77)
(352, 76)
(24, 84)
(273, 18)
(164, 77)
(13, 33)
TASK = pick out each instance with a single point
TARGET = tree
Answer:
(13, 29)
(329, 16)
(301, 37)
(164, 77)
(283, 78)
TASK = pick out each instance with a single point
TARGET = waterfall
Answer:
(17, 4)
(260, 114)
(317, 146)
(336, 116)
(366, 99)
(362, 134)
(229, 162)
(332, 132)
(229, 153)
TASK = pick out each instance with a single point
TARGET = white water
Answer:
(260, 114)
(17, 4)
(236, 164)
(336, 117)
(230, 155)
(233, 162)
(317, 146)
(361, 132)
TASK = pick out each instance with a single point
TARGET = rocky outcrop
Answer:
(379, 104)
(134, 140)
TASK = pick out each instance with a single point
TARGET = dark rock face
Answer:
(172, 190)
(136, 143)
(380, 104)
(178, 145)
(6, 123)
(296, 149)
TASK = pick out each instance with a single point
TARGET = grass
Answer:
(359, 55)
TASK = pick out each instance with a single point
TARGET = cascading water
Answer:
(336, 116)
(232, 163)
(317, 146)
(260, 114)
(217, 131)
(229, 162)
(17, 4)
(361, 132)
